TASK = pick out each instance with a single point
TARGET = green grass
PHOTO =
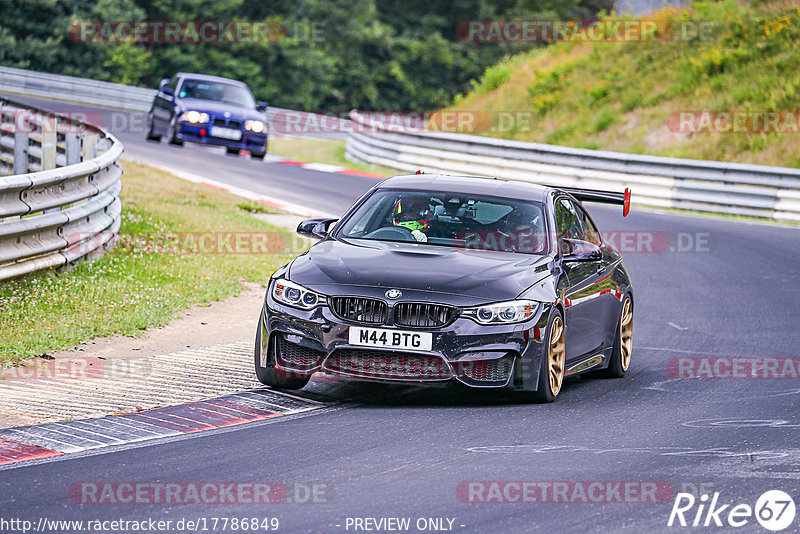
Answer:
(330, 151)
(256, 207)
(625, 96)
(131, 289)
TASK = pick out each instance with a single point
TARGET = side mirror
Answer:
(315, 228)
(164, 82)
(262, 106)
(576, 250)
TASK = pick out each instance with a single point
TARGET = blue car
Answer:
(209, 110)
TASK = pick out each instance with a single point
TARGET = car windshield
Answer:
(452, 219)
(218, 92)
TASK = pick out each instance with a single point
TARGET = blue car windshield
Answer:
(469, 221)
(217, 92)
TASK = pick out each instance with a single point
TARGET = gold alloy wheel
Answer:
(626, 334)
(556, 355)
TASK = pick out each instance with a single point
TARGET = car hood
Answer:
(483, 275)
(219, 109)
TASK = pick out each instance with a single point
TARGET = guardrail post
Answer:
(20, 152)
(72, 141)
(41, 209)
(89, 146)
(49, 140)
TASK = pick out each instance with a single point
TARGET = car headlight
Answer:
(255, 126)
(512, 311)
(195, 117)
(295, 295)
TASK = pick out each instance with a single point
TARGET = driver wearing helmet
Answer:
(413, 214)
(527, 230)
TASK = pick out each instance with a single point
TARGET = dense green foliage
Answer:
(629, 96)
(368, 54)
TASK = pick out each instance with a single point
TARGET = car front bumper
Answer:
(300, 343)
(199, 133)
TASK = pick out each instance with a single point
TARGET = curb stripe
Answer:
(55, 439)
(325, 167)
(362, 173)
(238, 411)
(160, 422)
(12, 451)
(243, 408)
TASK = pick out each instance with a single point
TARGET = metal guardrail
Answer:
(85, 91)
(138, 99)
(62, 200)
(731, 188)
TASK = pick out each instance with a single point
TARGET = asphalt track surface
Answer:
(404, 451)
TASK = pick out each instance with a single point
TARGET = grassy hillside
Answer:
(627, 96)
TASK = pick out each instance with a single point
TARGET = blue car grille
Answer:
(227, 123)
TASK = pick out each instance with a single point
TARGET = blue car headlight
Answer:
(255, 126)
(195, 117)
(295, 295)
(509, 312)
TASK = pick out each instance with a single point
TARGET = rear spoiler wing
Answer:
(606, 197)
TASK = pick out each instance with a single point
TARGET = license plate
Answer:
(391, 339)
(226, 133)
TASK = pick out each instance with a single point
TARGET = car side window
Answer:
(590, 230)
(173, 84)
(567, 220)
(574, 224)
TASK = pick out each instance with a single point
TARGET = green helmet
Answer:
(413, 213)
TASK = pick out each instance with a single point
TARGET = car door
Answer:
(584, 313)
(607, 286)
(163, 106)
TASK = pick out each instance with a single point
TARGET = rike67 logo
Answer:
(774, 510)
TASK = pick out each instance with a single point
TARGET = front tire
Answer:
(150, 135)
(173, 133)
(623, 342)
(269, 376)
(551, 372)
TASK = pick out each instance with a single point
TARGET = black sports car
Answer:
(431, 278)
(209, 110)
